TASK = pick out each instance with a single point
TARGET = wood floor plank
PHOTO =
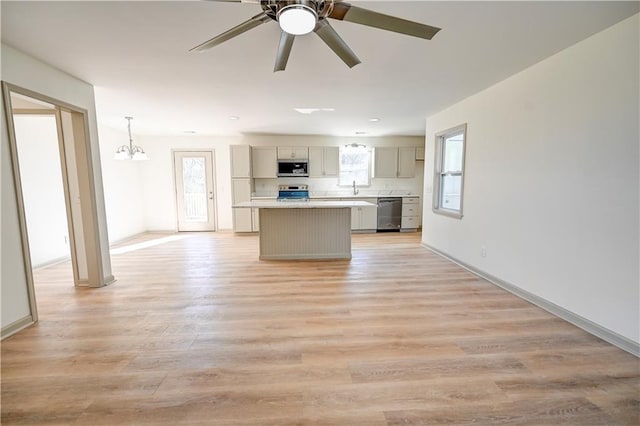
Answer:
(415, 369)
(301, 376)
(394, 396)
(620, 405)
(196, 407)
(198, 331)
(534, 412)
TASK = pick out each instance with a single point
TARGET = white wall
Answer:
(551, 185)
(42, 187)
(29, 73)
(123, 187)
(13, 283)
(159, 197)
(158, 181)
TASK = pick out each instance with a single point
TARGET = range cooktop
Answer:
(293, 192)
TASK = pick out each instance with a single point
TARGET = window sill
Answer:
(449, 213)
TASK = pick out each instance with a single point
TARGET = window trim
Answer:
(440, 137)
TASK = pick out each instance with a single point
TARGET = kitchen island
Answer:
(304, 229)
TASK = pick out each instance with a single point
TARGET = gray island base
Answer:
(305, 229)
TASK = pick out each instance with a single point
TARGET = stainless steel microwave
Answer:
(293, 168)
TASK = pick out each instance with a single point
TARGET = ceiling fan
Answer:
(298, 17)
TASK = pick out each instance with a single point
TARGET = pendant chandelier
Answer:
(131, 151)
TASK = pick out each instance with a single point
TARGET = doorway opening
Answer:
(42, 187)
(45, 211)
(54, 194)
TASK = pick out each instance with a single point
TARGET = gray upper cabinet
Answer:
(331, 161)
(264, 161)
(323, 161)
(297, 153)
(240, 161)
(406, 162)
(386, 162)
(395, 162)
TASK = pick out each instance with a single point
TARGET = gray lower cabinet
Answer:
(244, 220)
(410, 214)
(364, 219)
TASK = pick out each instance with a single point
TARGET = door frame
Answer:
(83, 228)
(214, 206)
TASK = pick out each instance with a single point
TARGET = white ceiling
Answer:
(136, 55)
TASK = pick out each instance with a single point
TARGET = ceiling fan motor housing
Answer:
(273, 8)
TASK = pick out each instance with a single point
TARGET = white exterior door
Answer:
(194, 190)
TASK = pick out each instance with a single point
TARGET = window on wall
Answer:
(355, 165)
(449, 171)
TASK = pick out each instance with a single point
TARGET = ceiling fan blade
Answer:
(284, 49)
(235, 31)
(333, 40)
(358, 15)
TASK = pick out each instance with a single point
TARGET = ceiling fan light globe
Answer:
(297, 19)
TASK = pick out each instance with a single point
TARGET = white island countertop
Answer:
(312, 204)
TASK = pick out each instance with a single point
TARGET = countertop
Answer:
(318, 204)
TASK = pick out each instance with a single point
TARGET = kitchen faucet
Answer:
(355, 191)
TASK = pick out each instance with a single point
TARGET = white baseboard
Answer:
(52, 262)
(16, 326)
(597, 330)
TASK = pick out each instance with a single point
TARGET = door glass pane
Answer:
(450, 192)
(194, 189)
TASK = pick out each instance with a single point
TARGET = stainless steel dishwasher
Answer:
(389, 214)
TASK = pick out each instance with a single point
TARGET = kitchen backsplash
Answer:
(329, 186)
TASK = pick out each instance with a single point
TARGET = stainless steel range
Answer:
(293, 192)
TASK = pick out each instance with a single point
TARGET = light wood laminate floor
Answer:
(197, 330)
